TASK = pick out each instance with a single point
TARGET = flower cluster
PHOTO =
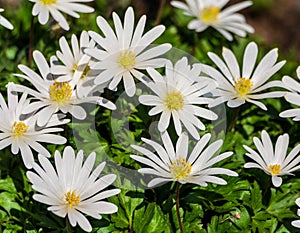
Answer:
(184, 94)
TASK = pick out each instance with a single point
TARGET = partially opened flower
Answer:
(210, 13)
(43, 8)
(71, 188)
(21, 132)
(176, 165)
(275, 162)
(53, 96)
(177, 95)
(4, 22)
(293, 96)
(250, 85)
(76, 64)
(296, 223)
(123, 53)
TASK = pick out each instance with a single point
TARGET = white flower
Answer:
(53, 96)
(296, 223)
(292, 97)
(273, 162)
(210, 13)
(43, 8)
(125, 52)
(177, 95)
(72, 188)
(21, 132)
(76, 64)
(235, 87)
(4, 22)
(171, 165)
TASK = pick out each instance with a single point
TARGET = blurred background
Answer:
(275, 21)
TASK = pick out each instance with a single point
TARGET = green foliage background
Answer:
(249, 203)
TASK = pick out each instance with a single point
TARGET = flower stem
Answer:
(69, 228)
(177, 208)
(234, 119)
(31, 38)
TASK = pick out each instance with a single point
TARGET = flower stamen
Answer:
(209, 14)
(19, 128)
(127, 59)
(274, 169)
(48, 2)
(60, 92)
(180, 169)
(71, 198)
(174, 101)
(243, 86)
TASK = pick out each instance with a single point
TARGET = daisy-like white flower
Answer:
(43, 8)
(175, 165)
(71, 188)
(125, 52)
(21, 132)
(293, 96)
(4, 22)
(76, 64)
(296, 223)
(235, 87)
(273, 162)
(53, 96)
(210, 13)
(177, 95)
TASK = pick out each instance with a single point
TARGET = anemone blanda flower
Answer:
(72, 188)
(210, 13)
(123, 53)
(296, 223)
(76, 64)
(4, 22)
(293, 96)
(53, 96)
(43, 8)
(21, 132)
(235, 87)
(177, 96)
(273, 161)
(175, 165)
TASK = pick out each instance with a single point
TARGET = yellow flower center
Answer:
(19, 128)
(274, 169)
(174, 101)
(127, 59)
(48, 2)
(180, 169)
(209, 14)
(84, 73)
(243, 86)
(71, 198)
(60, 92)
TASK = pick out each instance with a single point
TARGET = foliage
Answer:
(248, 203)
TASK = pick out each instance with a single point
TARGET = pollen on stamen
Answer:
(127, 59)
(60, 92)
(48, 2)
(243, 87)
(174, 101)
(19, 128)
(209, 14)
(71, 198)
(180, 169)
(274, 169)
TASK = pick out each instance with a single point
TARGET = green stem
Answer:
(31, 38)
(234, 119)
(69, 228)
(159, 13)
(177, 208)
